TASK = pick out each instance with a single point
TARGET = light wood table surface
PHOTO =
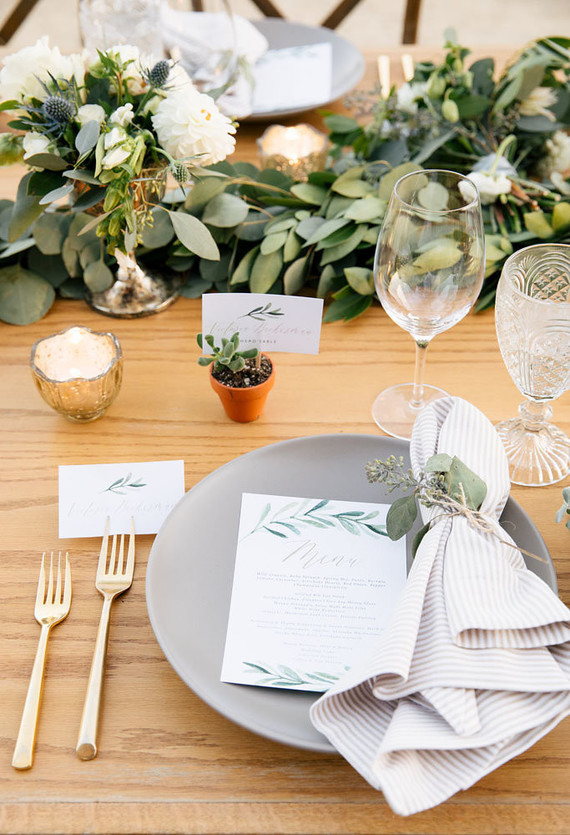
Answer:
(168, 762)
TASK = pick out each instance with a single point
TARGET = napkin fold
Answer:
(474, 666)
(205, 43)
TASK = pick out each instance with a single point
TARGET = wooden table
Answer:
(167, 761)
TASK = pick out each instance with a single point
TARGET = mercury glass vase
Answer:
(532, 315)
(137, 291)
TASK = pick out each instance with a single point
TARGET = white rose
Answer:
(23, 71)
(115, 137)
(408, 94)
(115, 157)
(189, 124)
(122, 116)
(490, 185)
(90, 113)
(538, 102)
(35, 143)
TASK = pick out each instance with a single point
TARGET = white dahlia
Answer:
(23, 71)
(188, 124)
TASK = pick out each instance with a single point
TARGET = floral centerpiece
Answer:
(272, 234)
(104, 133)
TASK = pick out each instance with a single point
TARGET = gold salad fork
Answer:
(111, 580)
(52, 606)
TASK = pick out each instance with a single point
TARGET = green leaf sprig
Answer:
(446, 482)
(565, 509)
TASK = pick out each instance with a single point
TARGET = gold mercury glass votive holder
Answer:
(78, 372)
(296, 151)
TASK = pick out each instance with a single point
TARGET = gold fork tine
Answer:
(49, 596)
(58, 584)
(67, 584)
(48, 611)
(41, 592)
(131, 553)
(110, 582)
(103, 553)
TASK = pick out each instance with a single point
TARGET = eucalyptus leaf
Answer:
(50, 230)
(389, 180)
(401, 517)
(89, 254)
(159, 232)
(215, 271)
(243, 270)
(203, 191)
(24, 296)
(353, 188)
(461, 482)
(347, 308)
(52, 162)
(417, 540)
(309, 193)
(194, 289)
(309, 226)
(271, 243)
(433, 196)
(335, 253)
(323, 230)
(82, 176)
(87, 137)
(292, 246)
(70, 257)
(294, 276)
(18, 246)
(360, 279)
(265, 271)
(439, 257)
(56, 194)
(98, 277)
(439, 463)
(327, 282)
(253, 227)
(366, 209)
(25, 211)
(225, 210)
(194, 235)
(50, 267)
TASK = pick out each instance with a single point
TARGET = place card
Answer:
(293, 77)
(89, 493)
(264, 321)
(315, 582)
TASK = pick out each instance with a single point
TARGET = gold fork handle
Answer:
(24, 750)
(87, 741)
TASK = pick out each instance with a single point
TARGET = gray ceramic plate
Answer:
(347, 61)
(190, 571)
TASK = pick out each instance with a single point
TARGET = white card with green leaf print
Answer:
(315, 582)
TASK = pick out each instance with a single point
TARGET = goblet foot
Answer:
(394, 410)
(536, 456)
(136, 292)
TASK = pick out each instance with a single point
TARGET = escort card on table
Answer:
(267, 322)
(314, 584)
(145, 491)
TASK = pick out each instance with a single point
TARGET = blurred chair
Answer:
(409, 34)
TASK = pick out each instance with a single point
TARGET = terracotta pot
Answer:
(243, 404)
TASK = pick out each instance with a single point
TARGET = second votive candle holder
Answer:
(297, 151)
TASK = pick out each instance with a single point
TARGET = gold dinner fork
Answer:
(52, 606)
(111, 580)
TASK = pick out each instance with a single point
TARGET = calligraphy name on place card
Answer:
(314, 584)
(267, 322)
(145, 491)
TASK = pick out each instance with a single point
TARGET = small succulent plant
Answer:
(227, 355)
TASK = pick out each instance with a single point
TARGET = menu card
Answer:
(315, 582)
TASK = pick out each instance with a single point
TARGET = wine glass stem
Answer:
(535, 415)
(418, 391)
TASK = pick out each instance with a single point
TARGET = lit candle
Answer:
(296, 151)
(78, 372)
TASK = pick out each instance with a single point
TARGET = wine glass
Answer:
(428, 271)
(532, 316)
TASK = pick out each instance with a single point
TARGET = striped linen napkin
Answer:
(474, 666)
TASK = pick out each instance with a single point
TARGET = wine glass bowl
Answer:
(532, 315)
(428, 272)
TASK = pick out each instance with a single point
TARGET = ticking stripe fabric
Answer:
(474, 666)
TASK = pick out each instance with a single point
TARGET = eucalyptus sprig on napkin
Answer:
(446, 482)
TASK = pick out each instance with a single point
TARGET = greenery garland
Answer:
(281, 236)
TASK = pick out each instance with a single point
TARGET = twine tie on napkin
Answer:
(474, 666)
